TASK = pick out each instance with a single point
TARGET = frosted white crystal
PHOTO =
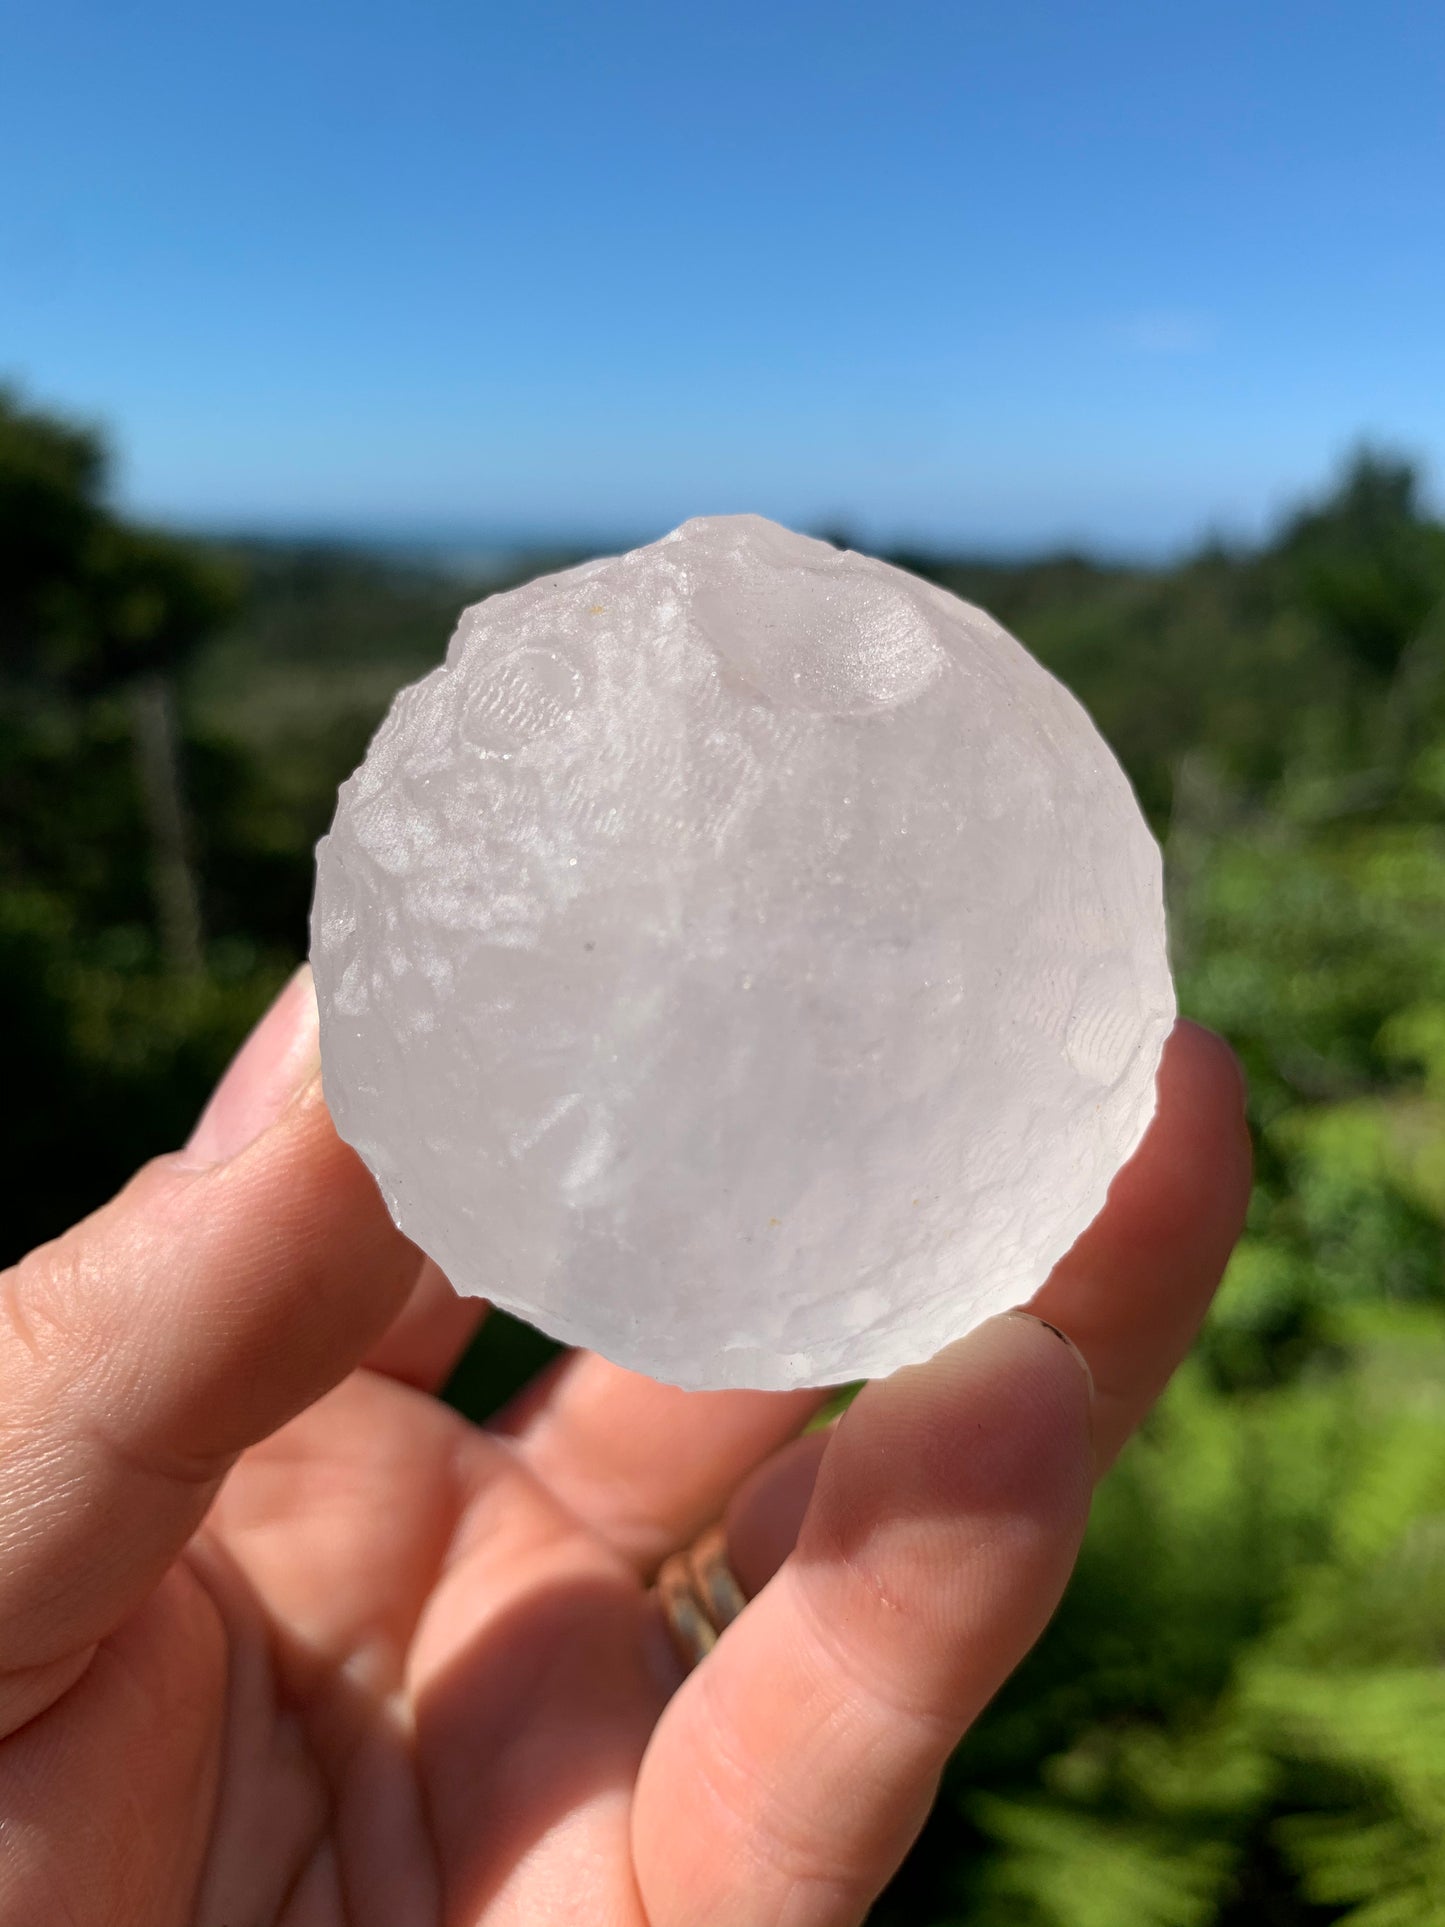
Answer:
(741, 958)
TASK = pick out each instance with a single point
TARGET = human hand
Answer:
(285, 1640)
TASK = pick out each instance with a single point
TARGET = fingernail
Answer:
(1064, 1339)
(278, 1059)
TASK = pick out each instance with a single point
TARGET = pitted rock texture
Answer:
(742, 958)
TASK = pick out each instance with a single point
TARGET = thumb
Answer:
(223, 1290)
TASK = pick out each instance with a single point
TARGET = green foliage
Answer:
(50, 477)
(1242, 1687)
(156, 599)
(1237, 1719)
(1369, 565)
(85, 600)
(1052, 1864)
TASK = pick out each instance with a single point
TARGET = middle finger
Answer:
(645, 1465)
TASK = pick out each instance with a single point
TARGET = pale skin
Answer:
(285, 1640)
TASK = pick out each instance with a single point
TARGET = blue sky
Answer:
(985, 273)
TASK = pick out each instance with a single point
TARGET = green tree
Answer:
(90, 605)
(1368, 563)
(51, 476)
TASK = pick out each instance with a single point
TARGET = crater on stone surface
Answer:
(742, 958)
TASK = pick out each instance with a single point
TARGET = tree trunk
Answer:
(173, 870)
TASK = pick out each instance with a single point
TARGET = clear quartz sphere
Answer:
(741, 958)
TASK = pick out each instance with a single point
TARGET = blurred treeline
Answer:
(1238, 1719)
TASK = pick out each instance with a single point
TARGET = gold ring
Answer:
(700, 1595)
(714, 1579)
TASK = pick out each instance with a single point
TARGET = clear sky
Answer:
(987, 273)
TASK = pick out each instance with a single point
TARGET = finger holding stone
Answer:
(224, 1289)
(430, 1333)
(766, 1513)
(795, 1764)
(644, 1464)
(1132, 1291)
